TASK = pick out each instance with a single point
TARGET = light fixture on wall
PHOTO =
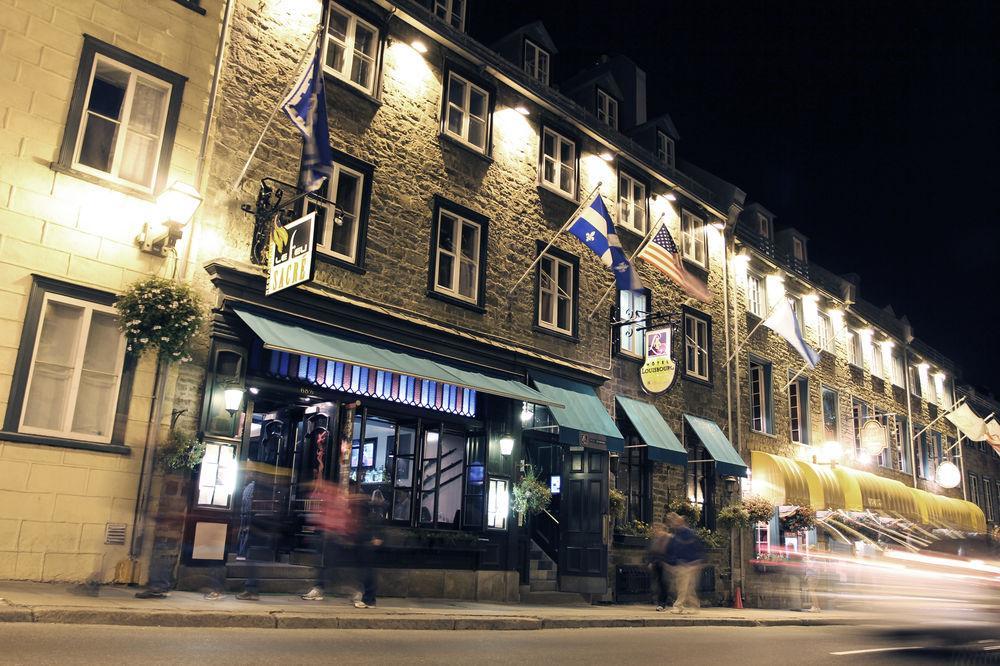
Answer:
(718, 225)
(176, 205)
(233, 398)
(948, 475)
(527, 413)
(607, 156)
(506, 444)
(419, 46)
(670, 196)
(522, 109)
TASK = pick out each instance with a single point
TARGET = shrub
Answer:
(180, 451)
(616, 504)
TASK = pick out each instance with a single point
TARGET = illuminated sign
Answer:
(658, 370)
(873, 438)
(290, 261)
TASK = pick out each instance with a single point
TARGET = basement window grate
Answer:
(114, 534)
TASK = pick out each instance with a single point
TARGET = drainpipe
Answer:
(734, 543)
(958, 444)
(909, 413)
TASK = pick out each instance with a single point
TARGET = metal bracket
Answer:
(272, 207)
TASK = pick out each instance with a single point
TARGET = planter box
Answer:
(631, 541)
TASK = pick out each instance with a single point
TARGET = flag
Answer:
(783, 321)
(595, 229)
(306, 107)
(966, 420)
(993, 434)
(662, 254)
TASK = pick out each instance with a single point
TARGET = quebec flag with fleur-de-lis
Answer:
(595, 229)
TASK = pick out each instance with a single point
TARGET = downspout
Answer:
(909, 412)
(733, 543)
(958, 444)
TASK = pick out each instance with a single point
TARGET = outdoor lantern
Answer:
(831, 451)
(948, 475)
(506, 445)
(175, 205)
(233, 398)
(527, 413)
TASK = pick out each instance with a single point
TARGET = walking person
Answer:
(656, 560)
(685, 554)
(334, 517)
(367, 539)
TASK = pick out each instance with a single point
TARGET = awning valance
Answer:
(661, 442)
(727, 460)
(282, 335)
(579, 413)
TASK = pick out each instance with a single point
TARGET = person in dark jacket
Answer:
(685, 554)
(367, 539)
(656, 559)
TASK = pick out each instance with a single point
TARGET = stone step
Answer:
(543, 575)
(543, 585)
(272, 570)
(542, 565)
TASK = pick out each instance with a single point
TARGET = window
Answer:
(694, 241)
(755, 295)
(70, 367)
(798, 409)
(217, 475)
(340, 229)
(633, 307)
(498, 504)
(451, 12)
(458, 254)
(700, 480)
(631, 203)
(607, 109)
(760, 397)
(831, 415)
(878, 365)
(859, 412)
(122, 118)
(973, 488)
(885, 456)
(923, 454)
(798, 249)
(763, 226)
(632, 480)
(351, 49)
(988, 499)
(824, 332)
(664, 148)
(902, 438)
(466, 115)
(898, 370)
(536, 62)
(557, 293)
(697, 346)
(855, 353)
(932, 390)
(558, 162)
(915, 386)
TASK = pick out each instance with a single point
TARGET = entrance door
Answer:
(583, 552)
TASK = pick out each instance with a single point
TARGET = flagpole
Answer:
(640, 248)
(748, 335)
(541, 254)
(309, 52)
(836, 334)
(953, 408)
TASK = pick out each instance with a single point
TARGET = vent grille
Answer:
(114, 534)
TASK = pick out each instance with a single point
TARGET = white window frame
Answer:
(458, 225)
(759, 396)
(123, 123)
(665, 148)
(558, 141)
(699, 345)
(974, 489)
(633, 209)
(798, 406)
(798, 249)
(607, 109)
(756, 293)
(535, 66)
(988, 498)
(763, 226)
(630, 305)
(445, 10)
(89, 308)
(495, 518)
(878, 363)
(824, 332)
(324, 243)
(855, 350)
(463, 135)
(550, 320)
(694, 239)
(898, 370)
(350, 53)
(836, 410)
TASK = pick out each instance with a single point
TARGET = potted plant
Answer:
(685, 509)
(634, 533)
(616, 505)
(803, 518)
(530, 496)
(182, 451)
(734, 516)
(156, 313)
(759, 510)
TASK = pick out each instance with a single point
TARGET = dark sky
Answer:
(870, 126)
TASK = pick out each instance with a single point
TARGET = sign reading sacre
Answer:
(658, 370)
(290, 261)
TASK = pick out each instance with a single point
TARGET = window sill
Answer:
(625, 356)
(351, 88)
(551, 189)
(193, 6)
(59, 167)
(358, 268)
(764, 434)
(556, 334)
(699, 270)
(63, 443)
(696, 380)
(451, 300)
(469, 148)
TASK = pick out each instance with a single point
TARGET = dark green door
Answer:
(583, 556)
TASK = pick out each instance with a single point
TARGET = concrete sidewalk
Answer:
(115, 605)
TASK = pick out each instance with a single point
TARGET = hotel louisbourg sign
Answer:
(659, 370)
(290, 261)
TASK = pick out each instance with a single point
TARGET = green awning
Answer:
(662, 444)
(583, 421)
(727, 460)
(297, 339)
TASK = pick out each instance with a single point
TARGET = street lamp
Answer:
(177, 204)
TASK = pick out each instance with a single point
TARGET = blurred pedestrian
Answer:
(368, 537)
(685, 554)
(656, 560)
(335, 518)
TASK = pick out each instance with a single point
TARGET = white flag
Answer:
(783, 321)
(968, 422)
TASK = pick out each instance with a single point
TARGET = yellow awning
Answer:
(886, 496)
(825, 490)
(941, 511)
(778, 479)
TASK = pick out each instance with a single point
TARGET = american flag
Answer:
(662, 254)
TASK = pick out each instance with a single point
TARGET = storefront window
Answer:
(499, 504)
(632, 480)
(217, 476)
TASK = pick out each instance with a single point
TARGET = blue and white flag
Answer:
(595, 229)
(783, 321)
(306, 107)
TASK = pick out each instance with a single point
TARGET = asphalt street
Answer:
(86, 644)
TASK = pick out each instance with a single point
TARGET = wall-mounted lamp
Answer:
(948, 475)
(670, 196)
(730, 484)
(607, 156)
(177, 205)
(522, 109)
(233, 398)
(718, 225)
(506, 445)
(418, 46)
(527, 413)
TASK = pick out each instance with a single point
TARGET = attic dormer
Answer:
(531, 48)
(760, 220)
(794, 244)
(452, 12)
(614, 90)
(659, 136)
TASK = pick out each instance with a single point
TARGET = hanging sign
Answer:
(291, 257)
(659, 370)
(873, 438)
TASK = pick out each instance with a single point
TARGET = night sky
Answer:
(869, 126)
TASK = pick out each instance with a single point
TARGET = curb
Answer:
(282, 620)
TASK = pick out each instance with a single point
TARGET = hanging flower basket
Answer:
(531, 496)
(181, 451)
(801, 519)
(156, 313)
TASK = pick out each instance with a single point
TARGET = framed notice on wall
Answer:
(290, 261)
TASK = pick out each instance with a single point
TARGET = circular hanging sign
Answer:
(873, 439)
(658, 370)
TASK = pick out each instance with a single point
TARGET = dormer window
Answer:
(664, 148)
(763, 226)
(536, 62)
(607, 109)
(451, 12)
(798, 249)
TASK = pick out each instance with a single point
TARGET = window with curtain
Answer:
(351, 49)
(760, 397)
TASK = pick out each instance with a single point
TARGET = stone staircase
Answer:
(543, 586)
